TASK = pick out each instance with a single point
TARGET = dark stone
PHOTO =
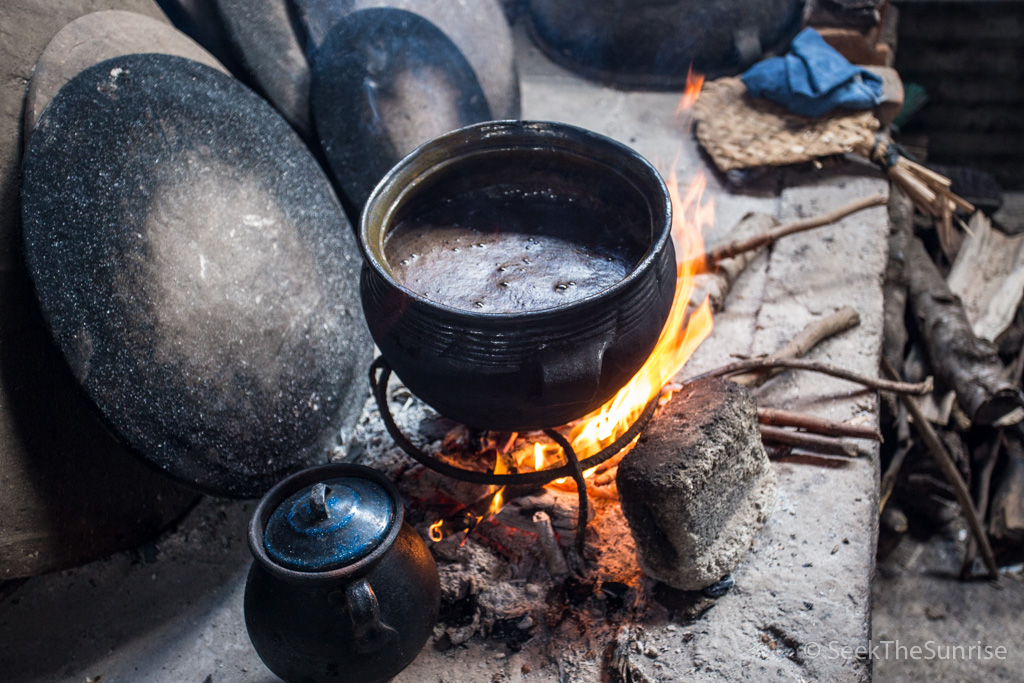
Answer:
(94, 38)
(384, 82)
(69, 492)
(261, 35)
(653, 43)
(478, 28)
(698, 486)
(196, 271)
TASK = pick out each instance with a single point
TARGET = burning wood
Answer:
(552, 553)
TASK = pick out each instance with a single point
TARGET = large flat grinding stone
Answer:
(94, 38)
(196, 270)
(478, 28)
(384, 82)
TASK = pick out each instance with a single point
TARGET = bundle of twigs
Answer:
(929, 191)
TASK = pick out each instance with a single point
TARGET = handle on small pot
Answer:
(371, 634)
(571, 373)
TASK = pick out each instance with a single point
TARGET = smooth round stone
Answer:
(95, 37)
(384, 82)
(478, 28)
(196, 271)
(261, 34)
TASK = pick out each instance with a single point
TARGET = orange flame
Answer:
(694, 83)
(498, 501)
(682, 333)
(436, 535)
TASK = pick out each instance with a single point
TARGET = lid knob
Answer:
(330, 524)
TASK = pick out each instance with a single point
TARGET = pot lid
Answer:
(330, 524)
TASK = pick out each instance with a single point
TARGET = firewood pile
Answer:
(952, 312)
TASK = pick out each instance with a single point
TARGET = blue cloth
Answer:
(813, 79)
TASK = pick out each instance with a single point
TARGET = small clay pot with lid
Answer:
(342, 589)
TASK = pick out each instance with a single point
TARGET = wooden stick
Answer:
(553, 557)
(948, 467)
(925, 173)
(959, 202)
(810, 442)
(812, 335)
(984, 491)
(919, 388)
(889, 478)
(717, 285)
(738, 247)
(922, 195)
(815, 425)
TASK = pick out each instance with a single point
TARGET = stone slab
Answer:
(384, 82)
(262, 37)
(196, 270)
(26, 27)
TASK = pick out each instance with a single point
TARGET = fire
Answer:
(436, 535)
(680, 337)
(683, 332)
(694, 82)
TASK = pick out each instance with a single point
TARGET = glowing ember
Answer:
(435, 531)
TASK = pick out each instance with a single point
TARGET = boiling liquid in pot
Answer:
(507, 252)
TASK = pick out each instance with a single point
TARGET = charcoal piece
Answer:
(196, 271)
(384, 82)
(94, 38)
(261, 35)
(698, 485)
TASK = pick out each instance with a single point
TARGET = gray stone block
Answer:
(698, 485)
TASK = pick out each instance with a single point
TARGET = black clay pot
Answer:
(652, 43)
(341, 589)
(517, 274)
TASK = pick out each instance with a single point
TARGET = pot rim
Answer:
(307, 477)
(407, 177)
